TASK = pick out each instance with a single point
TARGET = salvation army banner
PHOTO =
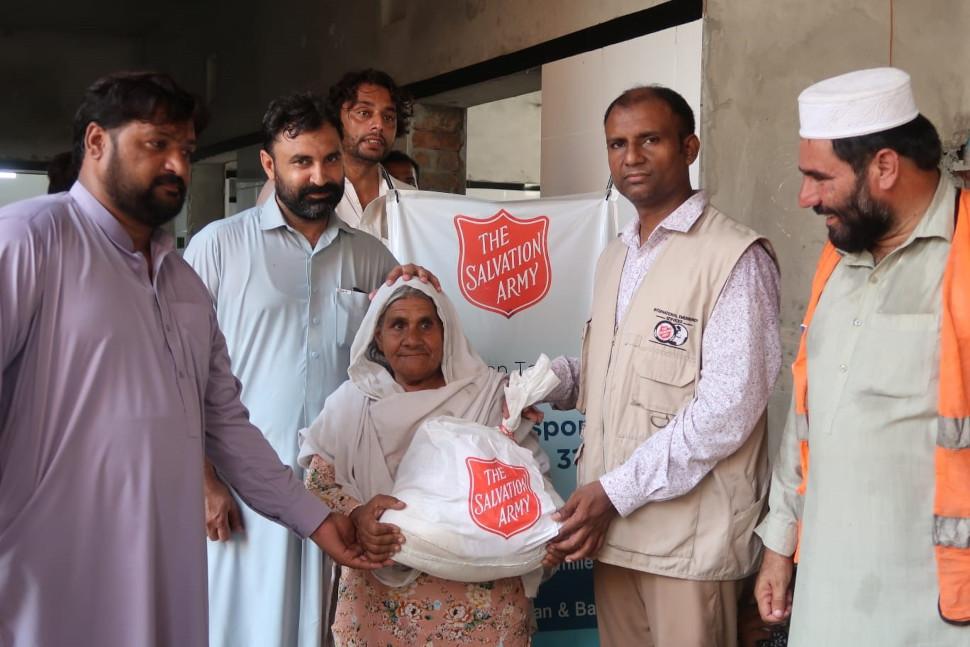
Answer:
(521, 277)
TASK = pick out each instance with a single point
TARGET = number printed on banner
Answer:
(566, 457)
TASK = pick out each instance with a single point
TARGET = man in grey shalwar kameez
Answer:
(114, 380)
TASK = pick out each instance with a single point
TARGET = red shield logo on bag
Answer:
(500, 497)
(503, 262)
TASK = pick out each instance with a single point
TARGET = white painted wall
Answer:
(503, 195)
(577, 90)
(502, 142)
(25, 185)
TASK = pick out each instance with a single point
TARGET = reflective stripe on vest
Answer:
(951, 504)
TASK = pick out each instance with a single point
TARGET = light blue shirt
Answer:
(289, 313)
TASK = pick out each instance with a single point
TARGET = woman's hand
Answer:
(336, 537)
(379, 540)
(553, 557)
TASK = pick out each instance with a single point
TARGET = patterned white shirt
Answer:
(740, 359)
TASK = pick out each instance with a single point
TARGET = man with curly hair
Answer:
(373, 111)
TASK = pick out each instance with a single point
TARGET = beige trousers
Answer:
(635, 609)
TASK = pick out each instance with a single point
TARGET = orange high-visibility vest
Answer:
(951, 504)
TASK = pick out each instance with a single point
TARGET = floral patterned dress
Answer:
(429, 612)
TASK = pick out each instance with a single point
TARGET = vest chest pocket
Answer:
(663, 382)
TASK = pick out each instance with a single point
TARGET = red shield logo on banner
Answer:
(500, 497)
(503, 262)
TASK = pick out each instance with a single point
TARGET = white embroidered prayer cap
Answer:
(857, 103)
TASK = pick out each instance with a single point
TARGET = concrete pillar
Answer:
(749, 121)
(248, 166)
(206, 196)
(437, 144)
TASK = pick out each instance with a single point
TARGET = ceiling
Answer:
(95, 17)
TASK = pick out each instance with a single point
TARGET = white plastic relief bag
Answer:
(478, 505)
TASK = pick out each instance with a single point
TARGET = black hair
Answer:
(294, 114)
(61, 172)
(400, 156)
(677, 104)
(916, 139)
(117, 99)
(345, 91)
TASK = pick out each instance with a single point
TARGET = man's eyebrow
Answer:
(171, 131)
(815, 175)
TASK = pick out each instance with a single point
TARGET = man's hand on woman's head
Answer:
(411, 270)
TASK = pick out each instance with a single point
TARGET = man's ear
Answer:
(692, 146)
(269, 165)
(96, 141)
(884, 168)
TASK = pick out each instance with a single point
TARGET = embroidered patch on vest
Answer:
(672, 329)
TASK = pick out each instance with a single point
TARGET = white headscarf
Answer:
(367, 424)
(459, 361)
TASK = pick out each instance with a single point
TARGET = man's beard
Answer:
(141, 203)
(310, 202)
(862, 221)
(356, 149)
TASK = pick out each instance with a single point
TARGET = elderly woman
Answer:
(410, 361)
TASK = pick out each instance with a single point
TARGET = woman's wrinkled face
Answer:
(411, 337)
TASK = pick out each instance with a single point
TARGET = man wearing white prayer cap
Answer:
(871, 489)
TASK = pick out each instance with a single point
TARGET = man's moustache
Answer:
(325, 191)
(170, 180)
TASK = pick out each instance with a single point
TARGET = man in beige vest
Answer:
(679, 357)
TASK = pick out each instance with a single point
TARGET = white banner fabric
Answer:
(521, 277)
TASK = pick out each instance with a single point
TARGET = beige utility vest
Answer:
(637, 376)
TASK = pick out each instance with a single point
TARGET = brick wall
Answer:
(437, 144)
